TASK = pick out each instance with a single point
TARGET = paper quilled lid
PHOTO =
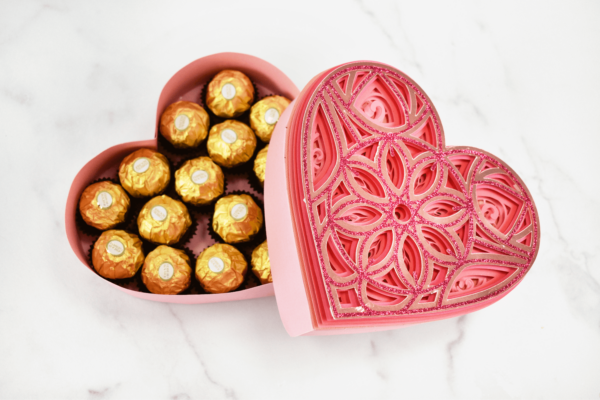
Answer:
(373, 222)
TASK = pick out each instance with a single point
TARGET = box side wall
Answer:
(290, 293)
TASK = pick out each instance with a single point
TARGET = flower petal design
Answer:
(478, 280)
(442, 209)
(365, 183)
(358, 217)
(378, 103)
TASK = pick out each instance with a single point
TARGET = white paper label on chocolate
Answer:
(229, 136)
(216, 265)
(141, 165)
(159, 213)
(115, 247)
(104, 200)
(228, 91)
(199, 177)
(239, 211)
(166, 271)
(271, 116)
(182, 122)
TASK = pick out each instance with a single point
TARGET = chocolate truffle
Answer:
(199, 181)
(163, 220)
(144, 173)
(229, 94)
(117, 254)
(260, 164)
(231, 143)
(237, 218)
(221, 268)
(103, 205)
(261, 266)
(167, 271)
(265, 114)
(184, 124)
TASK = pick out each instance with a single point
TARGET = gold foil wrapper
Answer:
(144, 173)
(221, 268)
(237, 218)
(260, 164)
(184, 124)
(103, 205)
(117, 254)
(199, 181)
(229, 94)
(265, 114)
(167, 271)
(231, 143)
(261, 266)
(163, 220)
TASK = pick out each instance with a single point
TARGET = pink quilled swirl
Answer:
(401, 223)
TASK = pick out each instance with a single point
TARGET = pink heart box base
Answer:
(184, 85)
(372, 221)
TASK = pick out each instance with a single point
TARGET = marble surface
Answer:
(518, 79)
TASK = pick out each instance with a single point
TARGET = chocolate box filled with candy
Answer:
(189, 84)
(372, 221)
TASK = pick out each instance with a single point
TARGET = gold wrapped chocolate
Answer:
(117, 254)
(260, 164)
(103, 205)
(199, 181)
(265, 114)
(167, 271)
(229, 94)
(220, 268)
(144, 173)
(261, 266)
(237, 218)
(231, 143)
(163, 220)
(184, 124)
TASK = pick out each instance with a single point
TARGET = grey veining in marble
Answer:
(518, 79)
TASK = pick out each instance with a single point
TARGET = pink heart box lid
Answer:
(373, 222)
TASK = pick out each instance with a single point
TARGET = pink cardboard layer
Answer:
(184, 85)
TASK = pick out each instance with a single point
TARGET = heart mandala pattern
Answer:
(401, 223)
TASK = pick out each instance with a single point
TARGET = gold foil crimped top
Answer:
(260, 164)
(103, 205)
(261, 265)
(229, 94)
(237, 218)
(167, 271)
(184, 124)
(144, 173)
(231, 143)
(199, 181)
(163, 220)
(221, 268)
(265, 114)
(117, 254)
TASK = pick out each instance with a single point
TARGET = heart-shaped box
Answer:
(372, 221)
(186, 84)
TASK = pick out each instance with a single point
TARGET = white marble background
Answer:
(519, 79)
